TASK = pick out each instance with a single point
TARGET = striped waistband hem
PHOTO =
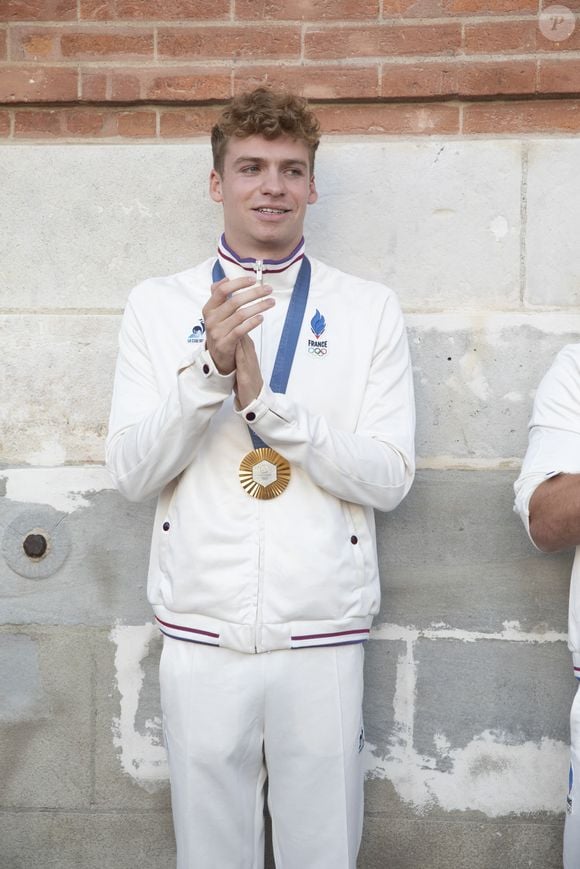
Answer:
(335, 638)
(191, 635)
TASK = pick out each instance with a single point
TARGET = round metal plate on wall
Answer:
(35, 544)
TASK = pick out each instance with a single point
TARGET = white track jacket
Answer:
(554, 448)
(300, 569)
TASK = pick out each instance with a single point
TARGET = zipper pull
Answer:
(260, 272)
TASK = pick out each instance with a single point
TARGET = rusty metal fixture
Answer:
(35, 546)
(36, 543)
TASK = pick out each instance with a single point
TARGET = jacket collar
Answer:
(279, 274)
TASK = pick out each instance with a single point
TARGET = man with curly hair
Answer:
(268, 432)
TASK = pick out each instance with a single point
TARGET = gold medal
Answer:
(264, 473)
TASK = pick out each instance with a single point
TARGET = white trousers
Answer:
(231, 720)
(572, 825)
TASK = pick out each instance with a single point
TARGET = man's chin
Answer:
(273, 241)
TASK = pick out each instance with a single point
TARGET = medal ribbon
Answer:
(290, 332)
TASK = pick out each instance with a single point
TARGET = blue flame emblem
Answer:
(318, 324)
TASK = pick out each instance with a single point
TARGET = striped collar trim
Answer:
(269, 266)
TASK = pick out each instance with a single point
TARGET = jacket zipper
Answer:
(259, 268)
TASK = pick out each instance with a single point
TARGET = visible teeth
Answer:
(272, 210)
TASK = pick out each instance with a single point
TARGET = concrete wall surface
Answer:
(468, 679)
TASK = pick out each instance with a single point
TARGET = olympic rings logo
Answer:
(318, 351)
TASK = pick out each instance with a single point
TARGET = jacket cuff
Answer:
(205, 368)
(259, 407)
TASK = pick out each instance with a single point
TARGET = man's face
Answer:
(265, 187)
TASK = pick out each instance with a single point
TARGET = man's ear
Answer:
(215, 186)
(313, 192)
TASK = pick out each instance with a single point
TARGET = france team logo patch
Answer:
(318, 327)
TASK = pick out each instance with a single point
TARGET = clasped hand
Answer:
(234, 308)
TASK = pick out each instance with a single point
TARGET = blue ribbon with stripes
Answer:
(290, 332)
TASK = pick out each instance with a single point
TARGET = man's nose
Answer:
(273, 182)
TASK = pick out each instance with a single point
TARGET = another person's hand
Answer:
(227, 321)
(249, 379)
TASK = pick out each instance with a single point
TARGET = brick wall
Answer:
(79, 69)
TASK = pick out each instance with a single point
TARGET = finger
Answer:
(247, 312)
(226, 286)
(245, 296)
(228, 317)
(229, 331)
(243, 329)
(227, 299)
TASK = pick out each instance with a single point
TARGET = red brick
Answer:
(84, 122)
(559, 76)
(136, 124)
(495, 78)
(455, 78)
(202, 84)
(37, 84)
(403, 80)
(417, 118)
(35, 43)
(38, 123)
(154, 10)
(175, 84)
(126, 85)
(306, 10)
(381, 40)
(177, 123)
(97, 10)
(38, 10)
(440, 8)
(485, 7)
(93, 85)
(229, 42)
(313, 82)
(4, 123)
(3, 47)
(107, 45)
(499, 37)
(540, 116)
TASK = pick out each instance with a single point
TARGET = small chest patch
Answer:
(197, 333)
(316, 346)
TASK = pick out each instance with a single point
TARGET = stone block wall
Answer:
(468, 676)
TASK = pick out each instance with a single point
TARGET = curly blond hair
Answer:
(268, 113)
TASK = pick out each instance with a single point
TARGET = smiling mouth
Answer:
(272, 210)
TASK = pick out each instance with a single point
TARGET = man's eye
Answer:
(297, 172)
(248, 170)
